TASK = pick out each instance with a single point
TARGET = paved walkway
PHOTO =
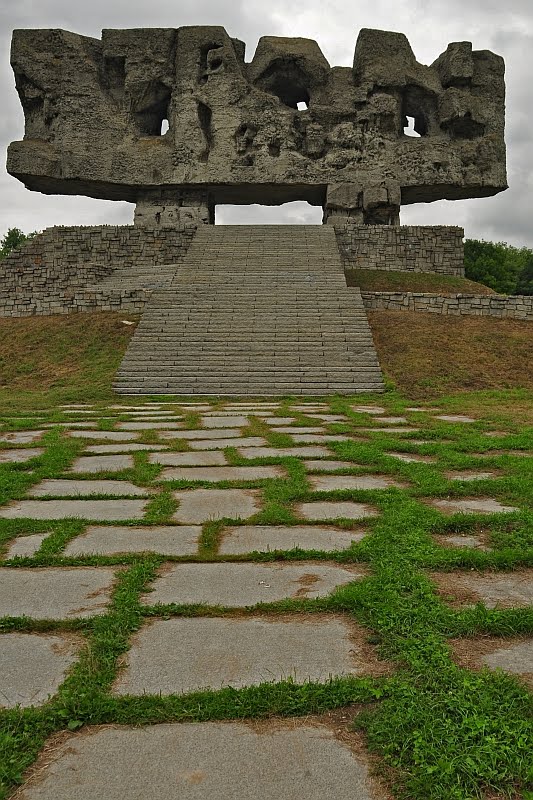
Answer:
(208, 548)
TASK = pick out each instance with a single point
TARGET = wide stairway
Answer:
(254, 310)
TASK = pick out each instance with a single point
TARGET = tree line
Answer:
(502, 267)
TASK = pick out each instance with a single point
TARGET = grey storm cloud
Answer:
(506, 28)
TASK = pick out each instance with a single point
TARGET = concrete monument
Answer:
(176, 121)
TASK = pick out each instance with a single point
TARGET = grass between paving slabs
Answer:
(443, 732)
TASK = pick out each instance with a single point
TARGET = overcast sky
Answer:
(505, 27)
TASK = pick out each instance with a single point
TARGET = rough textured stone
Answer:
(331, 483)
(216, 474)
(98, 510)
(55, 592)
(20, 456)
(352, 134)
(227, 433)
(102, 463)
(240, 585)
(202, 505)
(224, 421)
(335, 510)
(75, 488)
(210, 759)
(154, 425)
(169, 540)
(188, 654)
(33, 666)
(112, 436)
(412, 458)
(467, 476)
(454, 418)
(264, 538)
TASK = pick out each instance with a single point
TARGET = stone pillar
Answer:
(366, 205)
(174, 207)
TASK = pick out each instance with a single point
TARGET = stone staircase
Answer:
(254, 310)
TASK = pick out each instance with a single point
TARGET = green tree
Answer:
(525, 279)
(496, 264)
(14, 238)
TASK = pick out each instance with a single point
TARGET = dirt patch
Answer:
(494, 589)
(427, 355)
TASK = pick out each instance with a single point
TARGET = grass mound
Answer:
(372, 280)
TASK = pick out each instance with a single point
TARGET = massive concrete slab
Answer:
(217, 474)
(186, 654)
(240, 585)
(494, 589)
(102, 463)
(55, 592)
(217, 760)
(34, 666)
(332, 483)
(20, 456)
(341, 509)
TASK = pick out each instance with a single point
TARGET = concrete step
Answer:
(253, 310)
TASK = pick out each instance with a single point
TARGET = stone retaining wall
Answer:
(415, 248)
(58, 271)
(518, 307)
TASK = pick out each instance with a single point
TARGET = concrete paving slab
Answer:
(469, 475)
(217, 474)
(241, 585)
(335, 510)
(21, 437)
(495, 589)
(223, 421)
(332, 483)
(283, 452)
(97, 510)
(369, 409)
(315, 438)
(34, 666)
(328, 466)
(202, 458)
(485, 505)
(391, 429)
(516, 659)
(20, 456)
(454, 418)
(219, 760)
(147, 425)
(78, 488)
(280, 421)
(104, 449)
(112, 436)
(107, 540)
(55, 592)
(330, 417)
(310, 407)
(26, 546)
(462, 540)
(102, 463)
(302, 429)
(392, 420)
(225, 433)
(72, 425)
(221, 444)
(412, 458)
(265, 538)
(182, 655)
(201, 505)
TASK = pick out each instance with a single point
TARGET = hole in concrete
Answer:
(409, 129)
(295, 213)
